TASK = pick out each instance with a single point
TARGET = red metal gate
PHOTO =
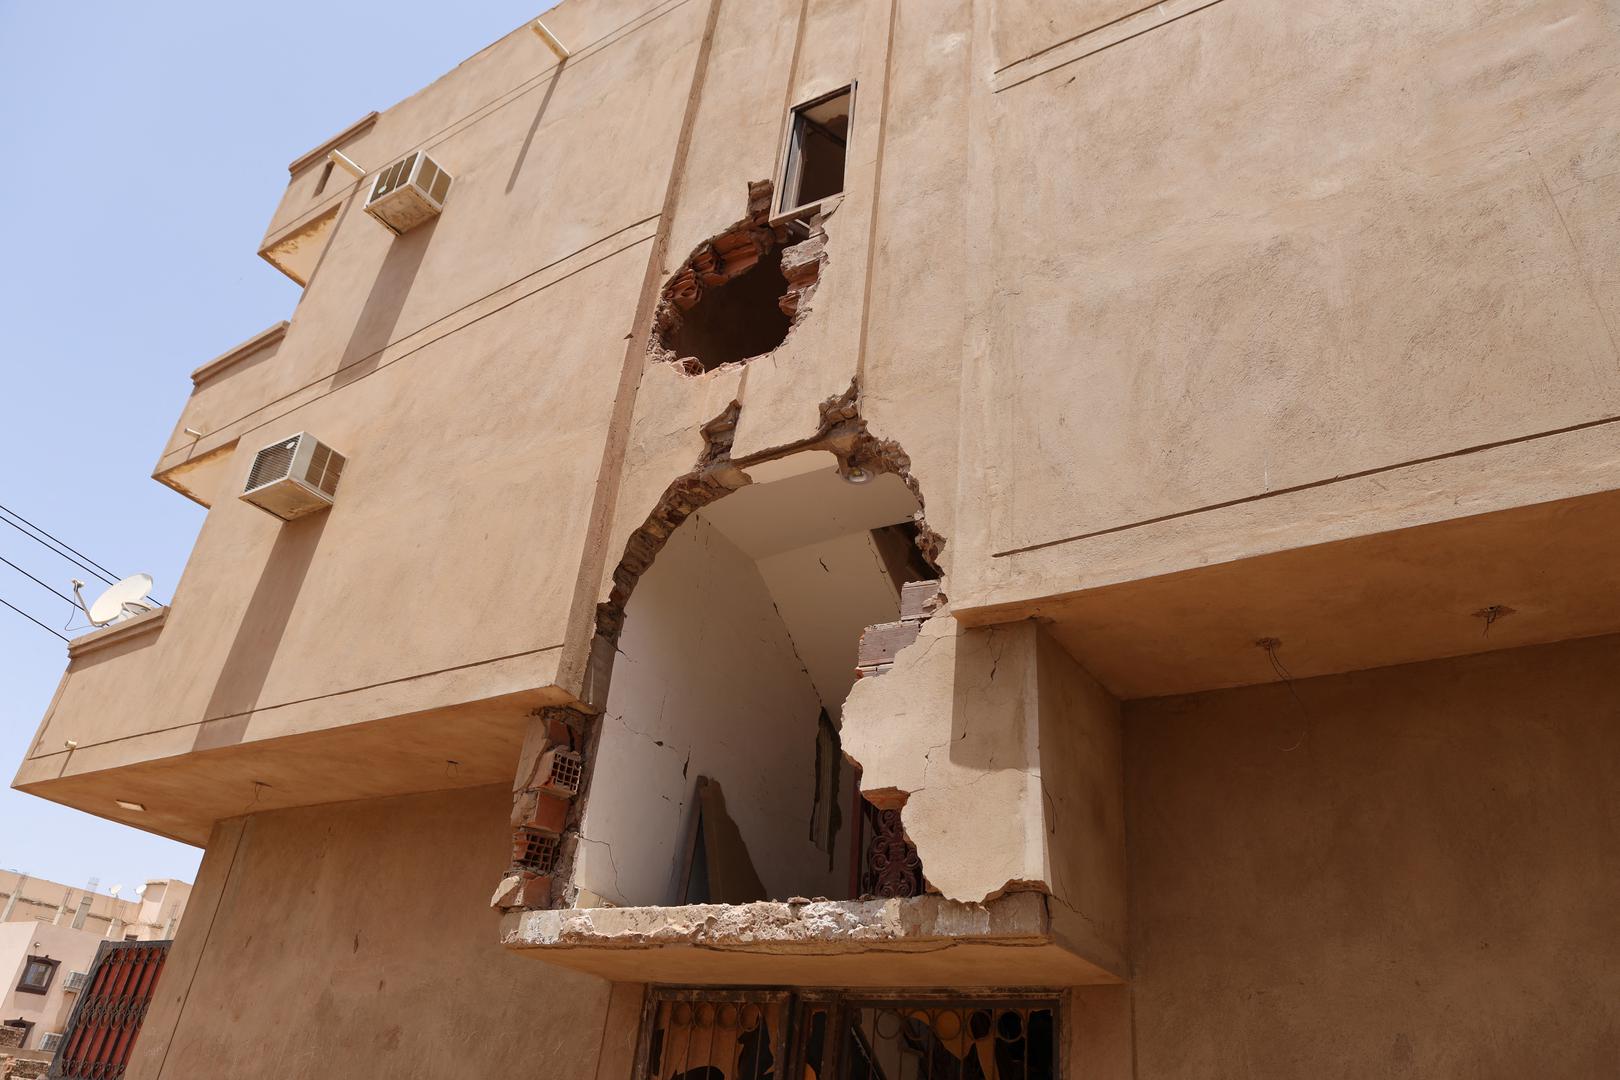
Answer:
(101, 1029)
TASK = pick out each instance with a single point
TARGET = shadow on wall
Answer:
(258, 636)
(1000, 744)
(534, 126)
(379, 318)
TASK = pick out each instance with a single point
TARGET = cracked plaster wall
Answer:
(1006, 757)
(706, 683)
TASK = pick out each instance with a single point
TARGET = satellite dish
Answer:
(121, 601)
(140, 890)
(114, 890)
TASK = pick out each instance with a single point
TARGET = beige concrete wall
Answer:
(1404, 872)
(1006, 757)
(1250, 247)
(468, 370)
(356, 940)
(1162, 287)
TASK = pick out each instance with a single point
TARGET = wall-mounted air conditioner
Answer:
(294, 477)
(50, 1043)
(76, 981)
(408, 192)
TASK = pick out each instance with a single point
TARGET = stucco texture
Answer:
(355, 940)
(1408, 872)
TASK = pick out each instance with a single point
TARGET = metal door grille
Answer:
(774, 1035)
(101, 1030)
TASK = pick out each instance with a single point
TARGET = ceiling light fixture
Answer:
(127, 805)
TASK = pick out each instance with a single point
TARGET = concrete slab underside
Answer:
(919, 941)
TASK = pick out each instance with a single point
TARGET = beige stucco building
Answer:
(49, 937)
(150, 912)
(1244, 372)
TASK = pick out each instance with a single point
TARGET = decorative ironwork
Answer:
(832, 1035)
(893, 868)
(101, 1030)
(718, 1035)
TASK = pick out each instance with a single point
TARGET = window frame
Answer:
(789, 161)
(28, 1030)
(25, 987)
(798, 1004)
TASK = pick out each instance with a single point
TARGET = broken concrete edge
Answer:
(728, 255)
(840, 430)
(889, 799)
(1017, 918)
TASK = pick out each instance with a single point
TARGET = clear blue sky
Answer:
(145, 147)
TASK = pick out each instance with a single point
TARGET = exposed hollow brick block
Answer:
(560, 771)
(522, 890)
(920, 599)
(543, 807)
(540, 811)
(881, 643)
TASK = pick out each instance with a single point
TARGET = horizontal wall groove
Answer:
(1309, 485)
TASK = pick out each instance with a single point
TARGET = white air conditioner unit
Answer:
(51, 1042)
(76, 980)
(408, 192)
(294, 477)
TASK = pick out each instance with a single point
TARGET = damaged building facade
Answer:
(870, 538)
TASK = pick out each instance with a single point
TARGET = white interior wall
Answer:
(707, 683)
(744, 628)
(828, 593)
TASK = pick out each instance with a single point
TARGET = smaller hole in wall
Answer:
(739, 319)
(326, 174)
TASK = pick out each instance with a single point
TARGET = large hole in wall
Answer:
(718, 773)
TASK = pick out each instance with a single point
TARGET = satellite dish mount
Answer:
(123, 600)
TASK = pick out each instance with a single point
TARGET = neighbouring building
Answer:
(871, 538)
(151, 913)
(49, 937)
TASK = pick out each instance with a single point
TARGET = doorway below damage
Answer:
(719, 775)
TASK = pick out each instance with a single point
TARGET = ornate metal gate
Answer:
(101, 1029)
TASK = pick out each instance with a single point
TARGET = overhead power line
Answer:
(38, 582)
(88, 565)
(33, 620)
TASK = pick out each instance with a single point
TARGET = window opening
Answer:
(37, 974)
(759, 1034)
(817, 146)
(326, 174)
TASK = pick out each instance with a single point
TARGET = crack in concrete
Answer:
(618, 889)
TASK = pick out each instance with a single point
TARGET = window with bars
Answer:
(775, 1035)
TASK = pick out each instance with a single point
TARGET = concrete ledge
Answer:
(921, 941)
(231, 357)
(309, 157)
(137, 626)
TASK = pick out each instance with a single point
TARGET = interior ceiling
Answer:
(809, 534)
(765, 519)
